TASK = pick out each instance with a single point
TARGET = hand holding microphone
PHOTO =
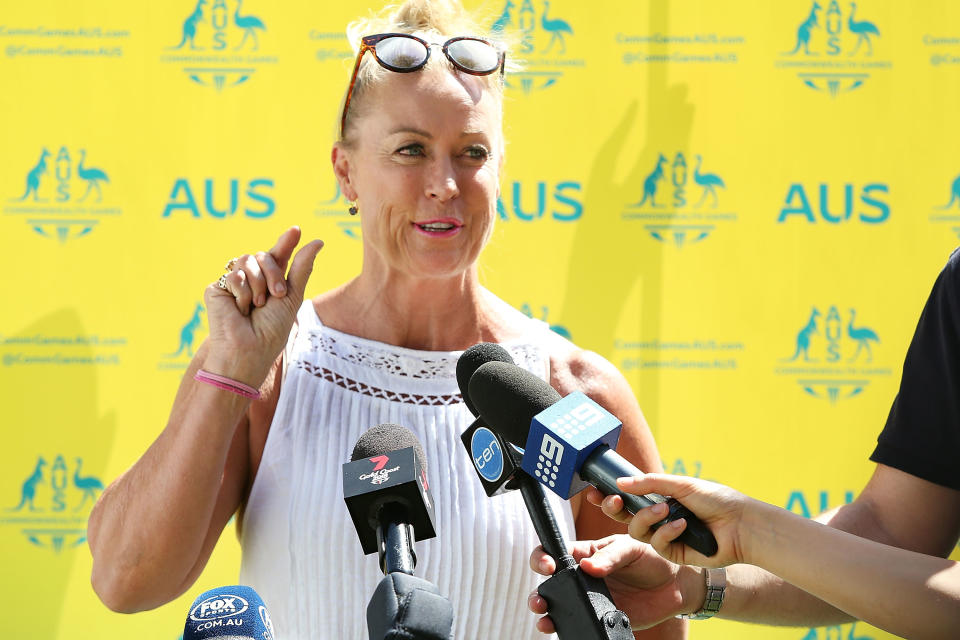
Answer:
(568, 442)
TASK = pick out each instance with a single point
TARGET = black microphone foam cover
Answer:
(471, 360)
(508, 398)
(385, 438)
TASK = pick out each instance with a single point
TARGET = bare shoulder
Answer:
(575, 369)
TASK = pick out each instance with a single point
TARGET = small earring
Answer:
(353, 209)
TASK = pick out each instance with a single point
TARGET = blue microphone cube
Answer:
(561, 438)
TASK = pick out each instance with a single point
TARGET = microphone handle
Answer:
(395, 539)
(604, 466)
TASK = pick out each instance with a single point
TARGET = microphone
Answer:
(568, 442)
(385, 488)
(494, 459)
(387, 494)
(230, 613)
(580, 605)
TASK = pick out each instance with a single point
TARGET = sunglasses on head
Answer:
(403, 53)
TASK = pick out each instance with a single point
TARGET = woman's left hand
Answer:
(719, 507)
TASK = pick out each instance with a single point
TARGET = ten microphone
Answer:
(568, 442)
(228, 613)
(494, 459)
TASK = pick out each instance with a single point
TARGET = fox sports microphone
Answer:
(228, 613)
(568, 442)
(494, 459)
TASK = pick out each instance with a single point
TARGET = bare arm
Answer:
(909, 593)
(895, 508)
(152, 531)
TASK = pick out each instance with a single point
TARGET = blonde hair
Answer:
(431, 20)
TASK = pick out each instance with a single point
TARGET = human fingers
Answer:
(639, 526)
(236, 284)
(610, 554)
(612, 506)
(594, 496)
(536, 603)
(272, 273)
(302, 266)
(254, 277)
(663, 539)
(541, 562)
(284, 247)
(677, 486)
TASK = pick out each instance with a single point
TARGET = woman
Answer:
(420, 153)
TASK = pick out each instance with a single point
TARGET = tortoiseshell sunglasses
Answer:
(403, 53)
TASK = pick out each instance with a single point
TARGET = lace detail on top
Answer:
(397, 361)
(377, 392)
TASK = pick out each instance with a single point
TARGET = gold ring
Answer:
(230, 264)
(222, 282)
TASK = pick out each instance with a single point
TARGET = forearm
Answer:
(867, 580)
(149, 529)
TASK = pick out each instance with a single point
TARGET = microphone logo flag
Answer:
(487, 455)
(218, 606)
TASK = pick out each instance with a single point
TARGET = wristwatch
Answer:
(716, 581)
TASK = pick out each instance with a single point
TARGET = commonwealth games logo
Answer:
(833, 355)
(53, 504)
(681, 207)
(219, 44)
(543, 44)
(950, 212)
(64, 196)
(833, 49)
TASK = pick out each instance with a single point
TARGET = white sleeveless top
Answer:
(300, 549)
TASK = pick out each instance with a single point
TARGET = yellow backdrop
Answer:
(742, 204)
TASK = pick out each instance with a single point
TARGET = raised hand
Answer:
(643, 585)
(720, 508)
(251, 314)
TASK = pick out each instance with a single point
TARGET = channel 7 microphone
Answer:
(568, 442)
(228, 613)
(387, 494)
(494, 459)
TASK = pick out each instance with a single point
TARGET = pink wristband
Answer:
(227, 384)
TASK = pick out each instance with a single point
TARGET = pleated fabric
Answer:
(300, 549)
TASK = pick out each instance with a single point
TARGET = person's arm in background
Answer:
(911, 594)
(596, 377)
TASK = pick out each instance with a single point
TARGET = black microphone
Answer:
(228, 613)
(494, 459)
(385, 488)
(580, 605)
(568, 442)
(387, 494)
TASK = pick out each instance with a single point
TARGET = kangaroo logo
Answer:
(190, 26)
(803, 32)
(33, 178)
(954, 193)
(544, 312)
(837, 374)
(187, 333)
(533, 29)
(29, 489)
(73, 216)
(650, 183)
(803, 338)
(833, 40)
(53, 508)
(690, 222)
(217, 28)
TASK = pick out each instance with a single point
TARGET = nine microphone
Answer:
(568, 442)
(228, 613)
(580, 605)
(387, 494)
